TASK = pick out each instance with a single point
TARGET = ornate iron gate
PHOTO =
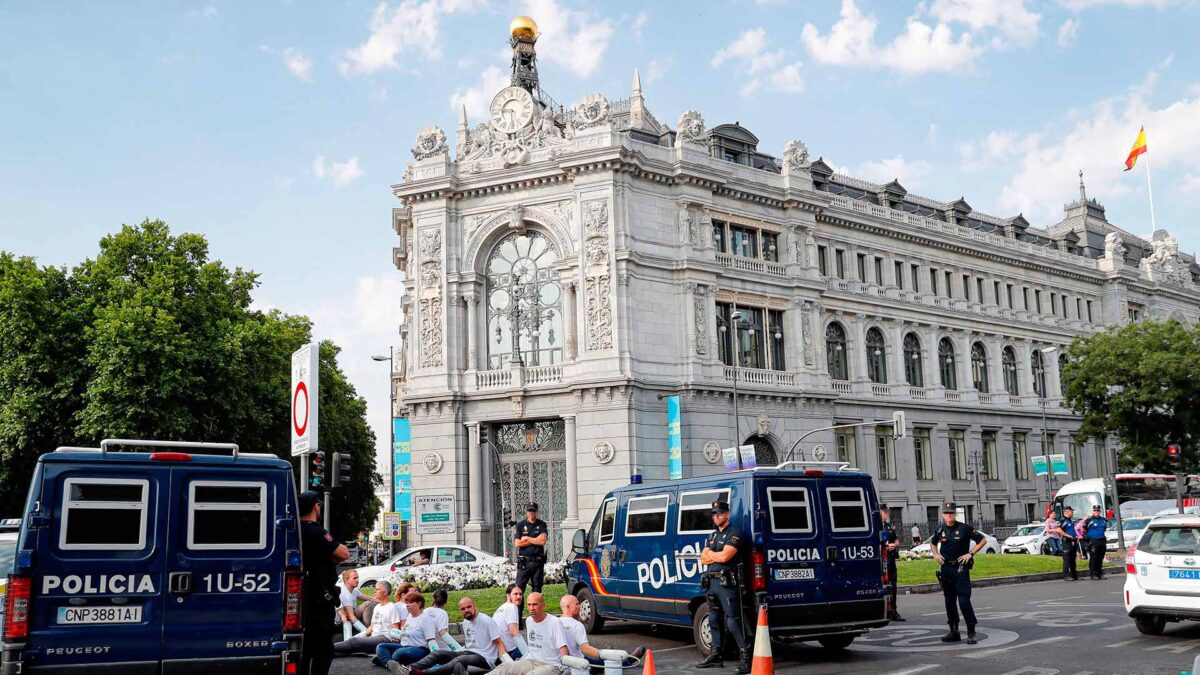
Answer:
(532, 467)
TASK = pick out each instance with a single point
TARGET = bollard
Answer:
(576, 665)
(613, 659)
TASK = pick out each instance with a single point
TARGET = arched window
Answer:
(1062, 374)
(835, 351)
(523, 292)
(764, 452)
(914, 373)
(1008, 363)
(947, 365)
(979, 367)
(1039, 373)
(876, 359)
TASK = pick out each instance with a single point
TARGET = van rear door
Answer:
(226, 558)
(796, 565)
(97, 590)
(853, 549)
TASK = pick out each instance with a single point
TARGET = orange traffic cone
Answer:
(648, 663)
(764, 662)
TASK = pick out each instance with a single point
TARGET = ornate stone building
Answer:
(567, 267)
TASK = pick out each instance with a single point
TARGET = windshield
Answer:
(1171, 540)
(1082, 501)
(8, 551)
(1028, 530)
(1129, 523)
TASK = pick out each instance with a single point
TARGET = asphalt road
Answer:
(1049, 628)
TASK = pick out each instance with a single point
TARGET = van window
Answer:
(646, 516)
(848, 509)
(608, 521)
(789, 509)
(104, 514)
(227, 515)
(695, 510)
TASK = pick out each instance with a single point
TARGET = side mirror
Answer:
(579, 543)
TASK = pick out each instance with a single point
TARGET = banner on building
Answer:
(730, 457)
(402, 466)
(435, 514)
(1059, 464)
(1040, 467)
(749, 457)
(674, 439)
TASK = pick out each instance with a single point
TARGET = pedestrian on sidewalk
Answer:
(1052, 536)
(1066, 532)
(916, 535)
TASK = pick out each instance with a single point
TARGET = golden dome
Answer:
(523, 28)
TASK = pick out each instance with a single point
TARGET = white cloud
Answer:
(639, 22)
(656, 69)
(752, 55)
(1190, 184)
(1011, 19)
(995, 148)
(300, 65)
(1067, 32)
(477, 97)
(341, 173)
(931, 136)
(575, 40)
(206, 12)
(411, 26)
(910, 174)
(1087, 4)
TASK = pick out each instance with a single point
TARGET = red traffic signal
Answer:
(1173, 450)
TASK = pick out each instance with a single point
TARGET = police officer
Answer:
(531, 536)
(952, 550)
(320, 557)
(1093, 529)
(893, 551)
(722, 554)
(1066, 532)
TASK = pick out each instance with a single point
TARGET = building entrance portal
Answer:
(531, 466)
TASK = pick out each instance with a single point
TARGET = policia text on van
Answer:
(814, 551)
(185, 559)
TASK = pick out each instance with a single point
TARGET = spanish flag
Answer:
(1139, 148)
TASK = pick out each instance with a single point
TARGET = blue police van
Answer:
(156, 557)
(815, 559)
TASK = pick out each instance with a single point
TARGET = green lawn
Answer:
(488, 599)
(912, 572)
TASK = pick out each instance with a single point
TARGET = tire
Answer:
(1150, 625)
(700, 633)
(836, 642)
(589, 613)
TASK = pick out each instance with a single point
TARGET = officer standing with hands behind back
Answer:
(320, 557)
(952, 550)
(531, 549)
(1094, 529)
(893, 552)
(720, 583)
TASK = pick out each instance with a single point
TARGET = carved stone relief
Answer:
(431, 332)
(1114, 247)
(795, 156)
(691, 129)
(592, 111)
(806, 335)
(712, 452)
(1165, 265)
(598, 286)
(431, 141)
(603, 452)
(431, 257)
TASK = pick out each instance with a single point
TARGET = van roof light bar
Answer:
(801, 464)
(112, 443)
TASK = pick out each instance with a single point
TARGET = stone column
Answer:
(571, 522)
(1025, 372)
(472, 331)
(475, 476)
(569, 320)
(897, 367)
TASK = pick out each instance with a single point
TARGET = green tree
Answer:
(1140, 382)
(152, 339)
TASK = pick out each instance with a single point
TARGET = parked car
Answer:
(453, 555)
(1029, 538)
(992, 545)
(1133, 527)
(1162, 574)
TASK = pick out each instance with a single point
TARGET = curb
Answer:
(919, 589)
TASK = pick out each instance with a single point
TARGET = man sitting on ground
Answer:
(481, 637)
(547, 645)
(577, 637)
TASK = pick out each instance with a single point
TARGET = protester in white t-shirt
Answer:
(481, 638)
(347, 599)
(438, 612)
(384, 618)
(577, 637)
(415, 636)
(547, 644)
(508, 617)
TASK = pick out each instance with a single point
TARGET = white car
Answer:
(1027, 539)
(449, 555)
(9, 529)
(1133, 527)
(1162, 574)
(991, 545)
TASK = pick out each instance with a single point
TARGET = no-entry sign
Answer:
(304, 399)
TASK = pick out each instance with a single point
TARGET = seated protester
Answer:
(481, 638)
(402, 592)
(441, 620)
(577, 637)
(415, 637)
(383, 620)
(508, 618)
(347, 600)
(547, 645)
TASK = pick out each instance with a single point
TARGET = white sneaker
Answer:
(396, 668)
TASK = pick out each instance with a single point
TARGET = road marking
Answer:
(922, 639)
(1116, 627)
(1176, 647)
(918, 669)
(1000, 650)
(1121, 643)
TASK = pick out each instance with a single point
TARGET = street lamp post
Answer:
(1041, 385)
(736, 319)
(391, 433)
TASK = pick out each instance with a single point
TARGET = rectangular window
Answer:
(775, 338)
(743, 241)
(646, 516)
(1037, 300)
(1089, 311)
(862, 267)
(958, 454)
(822, 263)
(1029, 511)
(1048, 445)
(1000, 514)
(446, 554)
(898, 269)
(695, 510)
(725, 333)
(932, 514)
(1025, 298)
(1075, 448)
(770, 247)
(923, 454)
(1078, 308)
(885, 450)
(949, 288)
(1101, 458)
(1020, 456)
(789, 510)
(847, 509)
(104, 514)
(966, 282)
(916, 276)
(933, 281)
(608, 521)
(846, 446)
(979, 290)
(718, 236)
(227, 515)
(990, 470)
(1054, 303)
(839, 261)
(751, 338)
(1008, 293)
(996, 293)
(879, 270)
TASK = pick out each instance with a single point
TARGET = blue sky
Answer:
(276, 128)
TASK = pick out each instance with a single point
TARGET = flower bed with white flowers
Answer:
(428, 578)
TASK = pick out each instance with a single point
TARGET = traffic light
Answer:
(341, 469)
(316, 470)
(1175, 454)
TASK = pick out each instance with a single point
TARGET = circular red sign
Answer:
(300, 426)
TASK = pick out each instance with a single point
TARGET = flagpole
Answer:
(1150, 192)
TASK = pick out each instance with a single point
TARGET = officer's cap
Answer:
(1069, 508)
(1095, 507)
(307, 500)
(720, 506)
(532, 506)
(949, 507)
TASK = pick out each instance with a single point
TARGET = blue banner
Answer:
(674, 439)
(402, 466)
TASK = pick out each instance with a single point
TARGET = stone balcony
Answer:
(745, 264)
(519, 377)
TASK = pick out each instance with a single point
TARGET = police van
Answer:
(815, 556)
(156, 557)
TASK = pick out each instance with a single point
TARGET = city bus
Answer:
(1139, 494)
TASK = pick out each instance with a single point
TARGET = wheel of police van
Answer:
(700, 633)
(589, 613)
(1150, 625)
(836, 642)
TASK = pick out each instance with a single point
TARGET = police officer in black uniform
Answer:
(893, 551)
(722, 553)
(320, 557)
(530, 539)
(952, 550)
